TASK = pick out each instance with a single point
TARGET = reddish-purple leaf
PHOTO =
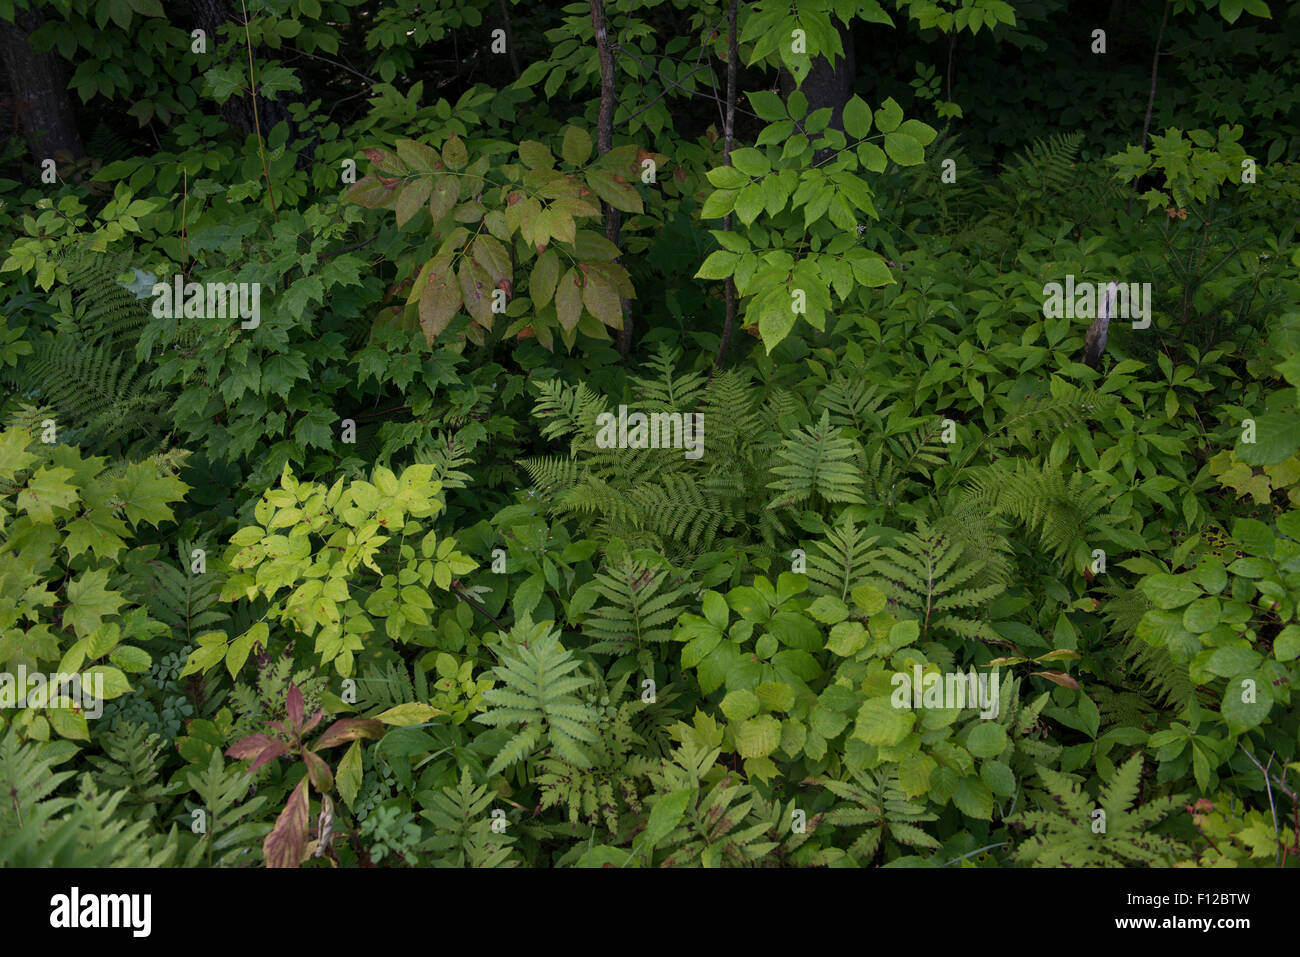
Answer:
(286, 845)
(260, 747)
(322, 779)
(293, 706)
(312, 722)
(1059, 677)
(349, 729)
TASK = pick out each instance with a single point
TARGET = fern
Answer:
(876, 802)
(924, 575)
(1069, 834)
(535, 696)
(1055, 508)
(816, 463)
(463, 835)
(841, 562)
(87, 369)
(853, 403)
(667, 389)
(381, 688)
(1045, 166)
(892, 465)
(86, 829)
(130, 763)
(231, 833)
(639, 611)
(618, 769)
(186, 600)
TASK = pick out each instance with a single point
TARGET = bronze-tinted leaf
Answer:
(369, 192)
(568, 300)
(412, 196)
(620, 195)
(601, 300)
(286, 845)
(385, 161)
(322, 778)
(438, 304)
(349, 729)
(417, 156)
(443, 196)
(293, 707)
(454, 153)
(493, 257)
(476, 290)
(1058, 677)
(546, 271)
(260, 747)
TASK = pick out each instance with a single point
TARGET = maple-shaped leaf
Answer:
(13, 451)
(89, 602)
(146, 494)
(84, 533)
(47, 489)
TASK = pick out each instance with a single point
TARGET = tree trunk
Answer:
(210, 16)
(827, 85)
(604, 143)
(39, 93)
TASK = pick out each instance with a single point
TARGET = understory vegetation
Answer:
(622, 429)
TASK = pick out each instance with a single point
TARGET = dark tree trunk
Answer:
(827, 85)
(39, 93)
(604, 143)
(210, 16)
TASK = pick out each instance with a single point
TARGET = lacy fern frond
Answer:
(463, 835)
(841, 562)
(667, 388)
(535, 696)
(875, 801)
(568, 410)
(1046, 165)
(231, 833)
(186, 600)
(1068, 831)
(925, 575)
(639, 610)
(853, 403)
(1055, 508)
(614, 781)
(816, 462)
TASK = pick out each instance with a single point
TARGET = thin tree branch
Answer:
(728, 136)
(510, 40)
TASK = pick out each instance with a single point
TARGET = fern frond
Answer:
(841, 562)
(535, 695)
(1069, 832)
(816, 462)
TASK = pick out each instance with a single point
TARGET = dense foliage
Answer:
(389, 570)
